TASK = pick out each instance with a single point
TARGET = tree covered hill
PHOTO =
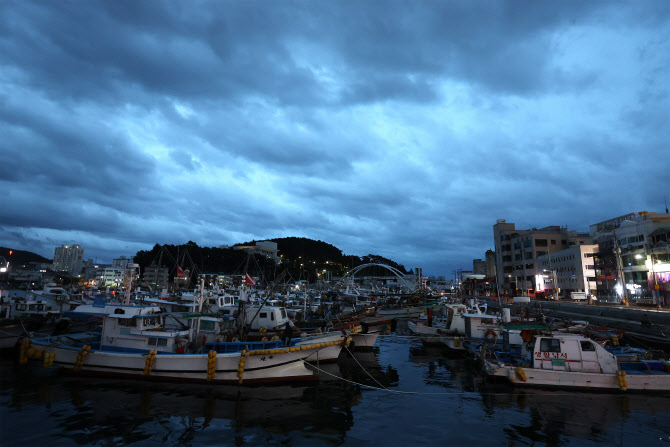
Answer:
(304, 258)
(21, 257)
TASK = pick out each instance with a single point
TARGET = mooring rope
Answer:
(366, 371)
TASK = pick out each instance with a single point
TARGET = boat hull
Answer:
(261, 366)
(579, 380)
(428, 334)
(364, 342)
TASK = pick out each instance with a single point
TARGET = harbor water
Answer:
(402, 393)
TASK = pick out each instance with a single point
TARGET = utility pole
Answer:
(619, 268)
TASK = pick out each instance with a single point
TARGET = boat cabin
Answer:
(483, 327)
(572, 353)
(136, 329)
(32, 308)
(455, 321)
(270, 317)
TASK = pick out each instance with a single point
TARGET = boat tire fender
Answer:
(490, 336)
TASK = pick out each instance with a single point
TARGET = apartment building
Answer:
(517, 252)
(69, 258)
(155, 277)
(569, 270)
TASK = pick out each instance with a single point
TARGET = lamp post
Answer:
(510, 283)
(654, 291)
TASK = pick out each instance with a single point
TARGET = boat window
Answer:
(587, 346)
(152, 321)
(272, 316)
(283, 313)
(127, 322)
(20, 307)
(550, 345)
(154, 341)
(207, 325)
(263, 315)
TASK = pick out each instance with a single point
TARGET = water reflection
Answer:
(430, 398)
(90, 410)
(541, 416)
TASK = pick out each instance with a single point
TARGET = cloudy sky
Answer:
(398, 128)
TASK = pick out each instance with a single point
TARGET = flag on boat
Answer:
(249, 281)
(180, 273)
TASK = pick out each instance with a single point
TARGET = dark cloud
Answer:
(400, 128)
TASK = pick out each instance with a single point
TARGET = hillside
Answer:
(21, 257)
(304, 258)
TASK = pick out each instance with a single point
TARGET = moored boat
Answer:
(135, 343)
(576, 362)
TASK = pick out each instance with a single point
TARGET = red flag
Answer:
(249, 281)
(180, 273)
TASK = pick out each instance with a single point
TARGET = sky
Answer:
(403, 129)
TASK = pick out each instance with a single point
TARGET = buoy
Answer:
(149, 363)
(521, 374)
(80, 357)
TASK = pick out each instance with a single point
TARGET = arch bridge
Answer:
(351, 273)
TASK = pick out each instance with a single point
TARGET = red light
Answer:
(113, 292)
(10, 252)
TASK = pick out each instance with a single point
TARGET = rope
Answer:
(366, 371)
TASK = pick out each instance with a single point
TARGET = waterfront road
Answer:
(613, 316)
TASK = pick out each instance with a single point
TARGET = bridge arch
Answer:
(395, 271)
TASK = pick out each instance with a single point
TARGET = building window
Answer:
(540, 242)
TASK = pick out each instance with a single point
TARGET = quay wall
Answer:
(633, 314)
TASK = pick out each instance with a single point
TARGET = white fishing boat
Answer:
(576, 362)
(469, 325)
(134, 342)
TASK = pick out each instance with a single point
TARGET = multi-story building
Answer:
(569, 270)
(155, 277)
(490, 264)
(121, 262)
(110, 276)
(69, 258)
(639, 244)
(517, 252)
(479, 267)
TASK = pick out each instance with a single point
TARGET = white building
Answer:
(569, 270)
(121, 262)
(110, 277)
(643, 256)
(69, 258)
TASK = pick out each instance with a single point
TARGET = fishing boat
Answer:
(134, 342)
(469, 327)
(575, 362)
